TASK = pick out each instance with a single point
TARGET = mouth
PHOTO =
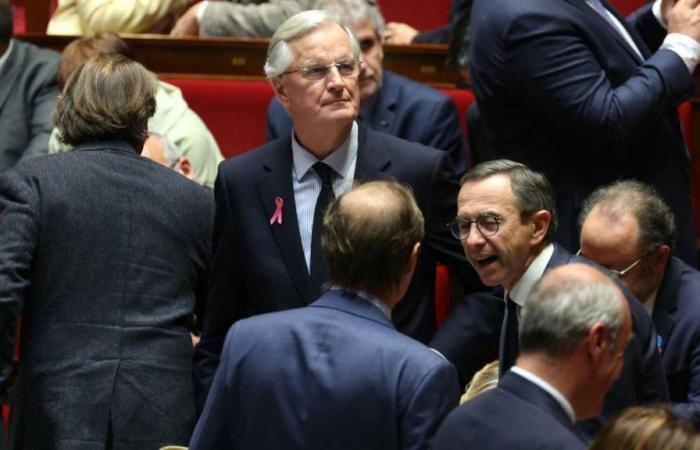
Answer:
(485, 261)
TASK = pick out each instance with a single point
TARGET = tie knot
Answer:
(324, 172)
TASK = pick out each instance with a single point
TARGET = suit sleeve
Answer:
(221, 309)
(648, 27)
(39, 120)
(250, 19)
(555, 69)
(19, 232)
(690, 410)
(125, 16)
(436, 395)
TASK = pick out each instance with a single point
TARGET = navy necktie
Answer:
(318, 269)
(509, 337)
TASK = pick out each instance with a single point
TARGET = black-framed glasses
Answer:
(487, 226)
(315, 72)
(619, 273)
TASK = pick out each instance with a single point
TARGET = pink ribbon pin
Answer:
(277, 216)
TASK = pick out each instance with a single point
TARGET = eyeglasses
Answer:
(618, 273)
(317, 72)
(487, 226)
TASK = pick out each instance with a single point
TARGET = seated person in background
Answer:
(173, 118)
(647, 428)
(486, 378)
(28, 91)
(105, 255)
(506, 222)
(388, 102)
(161, 150)
(628, 228)
(574, 328)
(337, 374)
(82, 17)
(398, 33)
(241, 18)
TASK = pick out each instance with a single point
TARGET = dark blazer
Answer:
(677, 318)
(403, 108)
(517, 414)
(104, 253)
(28, 92)
(259, 268)
(340, 377)
(560, 90)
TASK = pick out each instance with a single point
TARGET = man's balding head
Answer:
(370, 237)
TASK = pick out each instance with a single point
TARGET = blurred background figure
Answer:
(82, 17)
(483, 380)
(173, 117)
(161, 150)
(647, 428)
(28, 91)
(105, 255)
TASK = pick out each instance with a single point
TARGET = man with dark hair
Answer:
(389, 102)
(337, 374)
(506, 221)
(267, 253)
(28, 91)
(574, 90)
(628, 228)
(574, 328)
(105, 254)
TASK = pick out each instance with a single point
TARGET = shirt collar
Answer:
(551, 390)
(370, 298)
(6, 55)
(340, 159)
(531, 276)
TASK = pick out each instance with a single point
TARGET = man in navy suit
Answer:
(572, 89)
(266, 253)
(506, 221)
(574, 329)
(628, 228)
(389, 103)
(337, 375)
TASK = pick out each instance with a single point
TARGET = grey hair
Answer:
(557, 315)
(355, 12)
(531, 190)
(171, 152)
(280, 56)
(630, 197)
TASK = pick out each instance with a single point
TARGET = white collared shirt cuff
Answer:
(684, 46)
(656, 10)
(200, 11)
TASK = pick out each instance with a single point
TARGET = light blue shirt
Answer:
(307, 184)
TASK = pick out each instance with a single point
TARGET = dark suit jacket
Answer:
(28, 91)
(561, 91)
(260, 268)
(403, 108)
(677, 318)
(335, 375)
(517, 414)
(104, 253)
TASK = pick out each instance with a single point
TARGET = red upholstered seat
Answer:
(233, 110)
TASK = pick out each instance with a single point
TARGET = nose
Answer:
(334, 80)
(475, 238)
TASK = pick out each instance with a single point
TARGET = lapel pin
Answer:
(277, 216)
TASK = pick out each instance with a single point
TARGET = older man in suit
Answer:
(104, 253)
(337, 374)
(270, 200)
(574, 329)
(628, 228)
(506, 222)
(28, 91)
(389, 102)
(572, 89)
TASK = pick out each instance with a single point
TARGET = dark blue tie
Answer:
(318, 269)
(509, 338)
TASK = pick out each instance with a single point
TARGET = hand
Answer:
(399, 33)
(683, 16)
(187, 25)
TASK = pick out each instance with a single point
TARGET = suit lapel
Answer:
(10, 71)
(278, 183)
(666, 304)
(371, 163)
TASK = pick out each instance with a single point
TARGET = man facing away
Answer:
(629, 229)
(574, 329)
(337, 374)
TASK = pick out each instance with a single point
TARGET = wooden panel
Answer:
(36, 15)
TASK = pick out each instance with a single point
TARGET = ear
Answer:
(598, 341)
(541, 221)
(185, 167)
(660, 257)
(281, 91)
(413, 260)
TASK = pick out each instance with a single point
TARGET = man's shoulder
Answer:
(413, 92)
(36, 56)
(411, 152)
(683, 281)
(268, 155)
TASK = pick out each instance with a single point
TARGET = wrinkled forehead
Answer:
(327, 40)
(490, 195)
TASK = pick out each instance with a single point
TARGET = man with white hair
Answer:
(270, 201)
